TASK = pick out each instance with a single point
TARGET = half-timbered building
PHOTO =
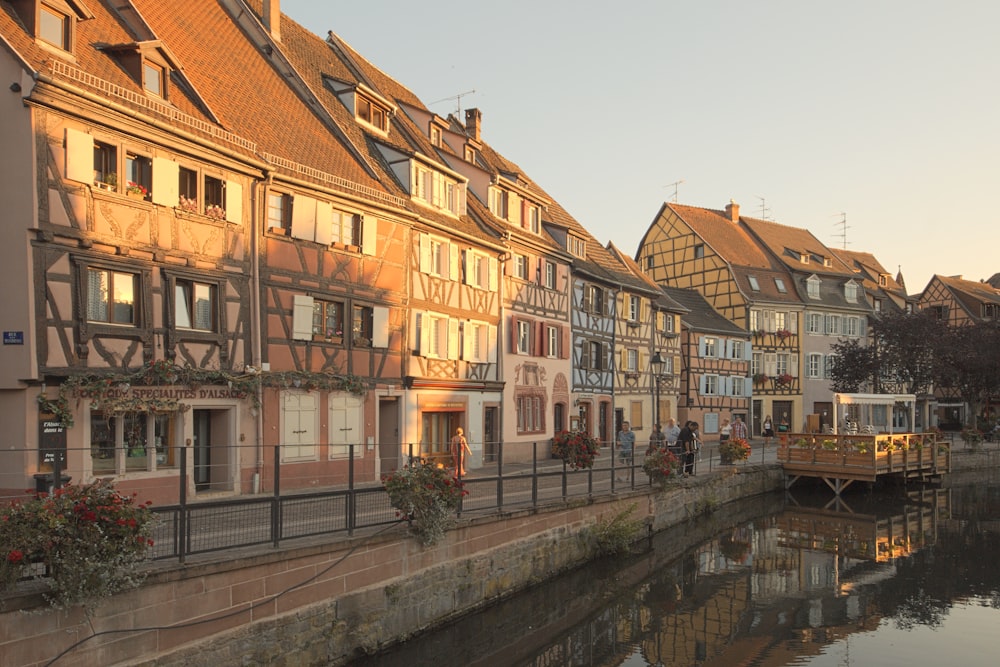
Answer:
(835, 308)
(711, 252)
(715, 359)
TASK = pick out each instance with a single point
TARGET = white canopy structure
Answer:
(886, 401)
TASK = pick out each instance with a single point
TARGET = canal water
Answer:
(900, 577)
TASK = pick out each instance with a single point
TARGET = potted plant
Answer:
(426, 495)
(188, 204)
(734, 449)
(576, 448)
(87, 542)
(661, 466)
(759, 378)
(972, 436)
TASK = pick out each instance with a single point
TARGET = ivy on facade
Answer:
(110, 391)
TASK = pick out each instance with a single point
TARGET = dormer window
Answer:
(52, 22)
(804, 258)
(754, 285)
(576, 246)
(883, 280)
(436, 135)
(498, 202)
(436, 189)
(851, 292)
(470, 153)
(812, 287)
(153, 78)
(371, 112)
(780, 284)
(149, 63)
(534, 221)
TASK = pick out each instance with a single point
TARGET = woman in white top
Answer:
(725, 431)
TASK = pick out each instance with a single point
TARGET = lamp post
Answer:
(656, 363)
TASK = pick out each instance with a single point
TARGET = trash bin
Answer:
(45, 482)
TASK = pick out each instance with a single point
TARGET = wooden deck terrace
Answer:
(840, 460)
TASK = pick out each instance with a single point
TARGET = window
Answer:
(709, 385)
(877, 305)
(435, 135)
(828, 363)
(215, 198)
(470, 154)
(111, 296)
(106, 165)
(833, 325)
(781, 365)
(814, 366)
(756, 320)
(852, 326)
(779, 321)
(710, 346)
(139, 170)
(552, 335)
(754, 285)
(595, 356)
(739, 385)
(883, 279)
(372, 113)
(279, 211)
(498, 202)
(668, 322)
(328, 319)
(300, 424)
(851, 292)
(699, 251)
(478, 269)
(534, 219)
(780, 284)
(345, 228)
(814, 323)
(54, 27)
(361, 326)
(812, 287)
(194, 305)
(633, 308)
(631, 361)
(757, 363)
(523, 337)
(530, 413)
(187, 189)
(154, 78)
(737, 349)
(576, 246)
(593, 300)
(121, 442)
(435, 256)
(475, 342)
(650, 262)
(521, 267)
(346, 415)
(550, 275)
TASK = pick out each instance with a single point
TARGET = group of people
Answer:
(682, 441)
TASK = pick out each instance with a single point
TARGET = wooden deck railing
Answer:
(863, 457)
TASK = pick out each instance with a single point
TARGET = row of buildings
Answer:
(224, 236)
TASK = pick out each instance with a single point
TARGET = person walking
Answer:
(687, 441)
(459, 447)
(725, 431)
(673, 430)
(768, 427)
(738, 431)
(626, 445)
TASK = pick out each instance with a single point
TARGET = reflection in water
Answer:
(876, 579)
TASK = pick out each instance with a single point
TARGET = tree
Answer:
(972, 365)
(853, 366)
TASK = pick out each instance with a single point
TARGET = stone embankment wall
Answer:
(321, 603)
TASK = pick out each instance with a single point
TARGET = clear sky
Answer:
(882, 113)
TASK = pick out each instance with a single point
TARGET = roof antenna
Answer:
(764, 210)
(457, 98)
(674, 184)
(843, 229)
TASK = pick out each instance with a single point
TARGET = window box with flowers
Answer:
(760, 378)
(783, 380)
(187, 204)
(576, 448)
(136, 190)
(215, 212)
(783, 334)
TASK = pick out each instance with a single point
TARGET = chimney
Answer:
(272, 18)
(733, 211)
(474, 122)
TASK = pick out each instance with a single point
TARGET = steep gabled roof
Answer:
(660, 299)
(728, 239)
(790, 244)
(701, 316)
(969, 294)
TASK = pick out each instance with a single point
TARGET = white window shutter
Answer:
(165, 182)
(454, 266)
(467, 331)
(491, 344)
(369, 234)
(302, 317)
(304, 217)
(770, 363)
(467, 264)
(701, 347)
(380, 326)
(452, 338)
(424, 333)
(425, 253)
(493, 274)
(324, 222)
(793, 365)
(702, 384)
(234, 201)
(792, 322)
(79, 156)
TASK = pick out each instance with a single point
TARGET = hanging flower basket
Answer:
(576, 448)
(662, 466)
(426, 495)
